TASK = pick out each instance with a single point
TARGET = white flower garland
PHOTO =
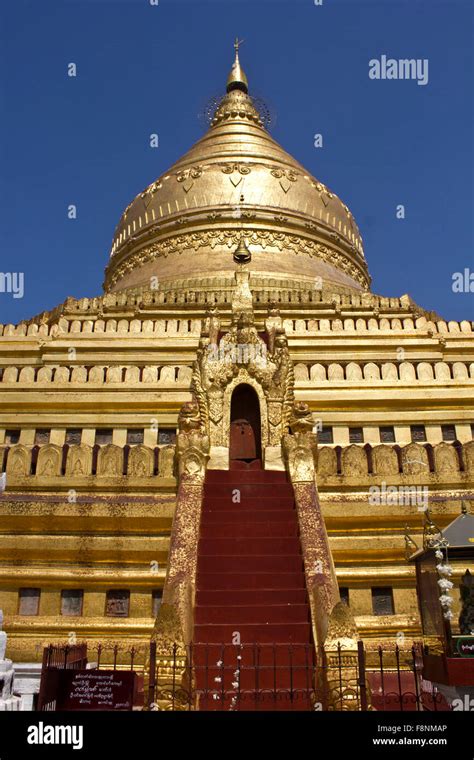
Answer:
(235, 683)
(445, 585)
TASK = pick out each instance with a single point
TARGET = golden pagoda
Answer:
(236, 302)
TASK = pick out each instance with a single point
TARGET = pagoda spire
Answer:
(237, 79)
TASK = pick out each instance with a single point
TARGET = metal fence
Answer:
(395, 679)
(119, 657)
(56, 658)
(289, 677)
(101, 656)
(241, 677)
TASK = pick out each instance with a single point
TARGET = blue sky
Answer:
(143, 69)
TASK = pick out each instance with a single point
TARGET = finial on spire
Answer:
(237, 79)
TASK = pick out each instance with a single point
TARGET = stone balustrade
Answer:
(446, 460)
(404, 371)
(192, 327)
(453, 461)
(375, 324)
(147, 327)
(180, 375)
(165, 375)
(81, 460)
(126, 312)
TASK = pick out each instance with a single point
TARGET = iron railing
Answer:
(289, 677)
(266, 676)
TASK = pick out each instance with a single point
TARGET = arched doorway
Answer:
(245, 427)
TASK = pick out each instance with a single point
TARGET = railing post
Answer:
(222, 677)
(361, 675)
(239, 673)
(382, 676)
(190, 676)
(257, 677)
(44, 666)
(415, 676)
(399, 677)
(173, 697)
(275, 693)
(152, 674)
(339, 665)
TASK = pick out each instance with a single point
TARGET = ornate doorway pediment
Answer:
(243, 356)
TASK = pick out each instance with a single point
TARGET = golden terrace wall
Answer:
(359, 359)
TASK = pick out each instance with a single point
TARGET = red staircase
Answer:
(251, 584)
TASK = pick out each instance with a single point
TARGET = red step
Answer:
(258, 677)
(265, 701)
(248, 503)
(268, 477)
(253, 633)
(269, 529)
(249, 563)
(247, 545)
(264, 614)
(249, 580)
(257, 596)
(249, 490)
(238, 464)
(250, 655)
(215, 516)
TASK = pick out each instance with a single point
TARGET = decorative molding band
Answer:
(265, 238)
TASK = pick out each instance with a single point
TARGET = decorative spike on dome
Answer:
(237, 79)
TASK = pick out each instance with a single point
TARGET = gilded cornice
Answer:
(67, 575)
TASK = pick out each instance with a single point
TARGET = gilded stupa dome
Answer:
(236, 183)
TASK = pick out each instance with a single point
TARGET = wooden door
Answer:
(242, 440)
